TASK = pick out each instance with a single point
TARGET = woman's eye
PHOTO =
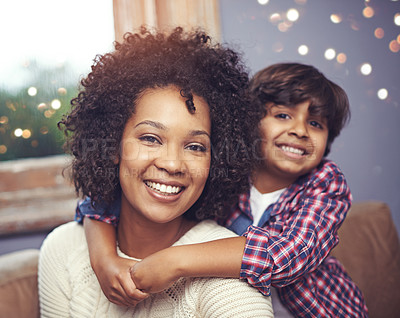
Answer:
(149, 139)
(196, 147)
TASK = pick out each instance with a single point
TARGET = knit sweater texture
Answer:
(68, 287)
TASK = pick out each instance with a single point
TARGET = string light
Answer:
(379, 33)
(397, 19)
(330, 54)
(341, 58)
(32, 91)
(303, 49)
(368, 12)
(336, 18)
(382, 93)
(366, 69)
(292, 15)
(56, 104)
(18, 132)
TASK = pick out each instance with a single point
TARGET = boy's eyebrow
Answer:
(160, 126)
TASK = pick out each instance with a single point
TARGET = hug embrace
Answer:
(211, 191)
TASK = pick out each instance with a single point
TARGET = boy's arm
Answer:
(280, 254)
(111, 270)
(219, 258)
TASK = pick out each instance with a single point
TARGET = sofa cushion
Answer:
(369, 249)
(18, 284)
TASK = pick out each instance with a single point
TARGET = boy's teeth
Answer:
(293, 150)
(163, 188)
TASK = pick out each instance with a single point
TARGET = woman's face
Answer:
(165, 156)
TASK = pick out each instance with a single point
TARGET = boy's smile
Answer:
(293, 143)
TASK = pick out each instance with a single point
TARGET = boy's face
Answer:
(294, 142)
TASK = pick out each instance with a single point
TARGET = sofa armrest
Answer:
(369, 249)
(18, 284)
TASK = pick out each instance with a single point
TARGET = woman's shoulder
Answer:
(207, 230)
(65, 237)
(230, 297)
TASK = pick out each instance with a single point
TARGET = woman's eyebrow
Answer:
(154, 124)
(160, 126)
(199, 133)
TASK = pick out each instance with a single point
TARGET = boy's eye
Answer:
(149, 140)
(196, 147)
(316, 124)
(282, 116)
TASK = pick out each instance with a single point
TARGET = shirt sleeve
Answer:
(306, 237)
(105, 213)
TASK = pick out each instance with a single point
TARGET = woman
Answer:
(159, 123)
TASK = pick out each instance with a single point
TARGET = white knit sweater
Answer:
(68, 286)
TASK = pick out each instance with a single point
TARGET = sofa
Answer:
(369, 248)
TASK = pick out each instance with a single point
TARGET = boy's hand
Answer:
(156, 272)
(116, 283)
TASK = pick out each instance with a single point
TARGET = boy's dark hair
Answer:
(144, 60)
(289, 84)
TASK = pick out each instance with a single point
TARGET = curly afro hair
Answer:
(144, 60)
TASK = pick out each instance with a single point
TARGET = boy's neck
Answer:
(266, 183)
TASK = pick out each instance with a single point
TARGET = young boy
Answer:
(289, 219)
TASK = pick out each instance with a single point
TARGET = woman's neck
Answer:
(140, 237)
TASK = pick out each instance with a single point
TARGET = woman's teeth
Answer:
(293, 150)
(163, 188)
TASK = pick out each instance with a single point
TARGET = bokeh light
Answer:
(366, 69)
(26, 134)
(284, 26)
(397, 19)
(44, 130)
(275, 18)
(341, 58)
(62, 91)
(292, 15)
(3, 149)
(277, 47)
(379, 33)
(18, 132)
(330, 54)
(382, 93)
(3, 120)
(41, 106)
(394, 46)
(32, 91)
(336, 18)
(368, 12)
(263, 2)
(56, 104)
(303, 49)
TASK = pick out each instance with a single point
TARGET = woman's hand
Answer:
(116, 283)
(156, 272)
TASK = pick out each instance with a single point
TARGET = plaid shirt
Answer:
(290, 250)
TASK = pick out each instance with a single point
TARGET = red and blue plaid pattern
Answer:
(291, 250)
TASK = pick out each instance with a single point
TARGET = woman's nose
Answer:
(171, 159)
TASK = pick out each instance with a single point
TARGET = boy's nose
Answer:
(299, 129)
